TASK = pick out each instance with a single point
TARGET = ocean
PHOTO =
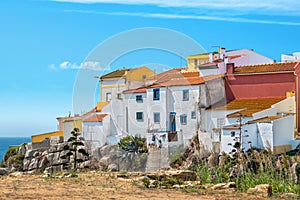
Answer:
(5, 142)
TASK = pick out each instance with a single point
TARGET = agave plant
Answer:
(133, 144)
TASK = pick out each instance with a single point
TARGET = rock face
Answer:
(3, 171)
(48, 160)
(263, 189)
(106, 158)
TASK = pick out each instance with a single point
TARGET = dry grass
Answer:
(96, 185)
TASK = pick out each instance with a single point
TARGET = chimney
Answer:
(229, 68)
(221, 52)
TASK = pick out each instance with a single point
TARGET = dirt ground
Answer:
(96, 185)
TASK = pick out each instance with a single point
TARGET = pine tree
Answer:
(74, 142)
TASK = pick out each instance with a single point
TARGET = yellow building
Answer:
(41, 137)
(114, 83)
(194, 61)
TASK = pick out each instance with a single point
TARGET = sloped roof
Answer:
(275, 67)
(260, 120)
(266, 119)
(115, 74)
(95, 118)
(248, 106)
(165, 75)
(185, 81)
(137, 90)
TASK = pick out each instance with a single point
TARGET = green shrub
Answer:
(255, 167)
(133, 144)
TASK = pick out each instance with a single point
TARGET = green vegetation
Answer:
(133, 144)
(248, 169)
(73, 148)
(12, 159)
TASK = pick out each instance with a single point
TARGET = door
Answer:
(172, 122)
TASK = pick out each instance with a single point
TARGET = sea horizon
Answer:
(6, 142)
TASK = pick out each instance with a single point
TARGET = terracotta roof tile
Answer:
(275, 67)
(185, 81)
(248, 106)
(165, 75)
(115, 74)
(95, 118)
(137, 90)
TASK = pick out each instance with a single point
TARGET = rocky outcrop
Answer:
(4, 171)
(107, 158)
(49, 160)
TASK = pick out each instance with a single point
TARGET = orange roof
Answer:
(235, 56)
(137, 90)
(185, 81)
(214, 63)
(275, 67)
(248, 106)
(165, 74)
(90, 112)
(266, 119)
(95, 118)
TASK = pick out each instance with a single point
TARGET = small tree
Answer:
(73, 143)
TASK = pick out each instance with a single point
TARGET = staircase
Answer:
(157, 159)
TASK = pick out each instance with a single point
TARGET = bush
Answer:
(248, 169)
(133, 144)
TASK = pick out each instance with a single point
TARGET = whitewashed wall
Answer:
(248, 133)
(283, 131)
(68, 127)
(265, 135)
(157, 106)
(136, 127)
(185, 107)
(93, 133)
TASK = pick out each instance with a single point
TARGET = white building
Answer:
(215, 62)
(290, 58)
(253, 122)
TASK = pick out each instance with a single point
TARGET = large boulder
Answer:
(108, 150)
(262, 189)
(30, 153)
(112, 168)
(3, 171)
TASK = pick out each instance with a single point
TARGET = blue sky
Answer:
(43, 43)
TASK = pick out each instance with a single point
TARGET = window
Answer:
(139, 116)
(144, 77)
(193, 114)
(156, 117)
(232, 133)
(156, 94)
(183, 119)
(139, 98)
(185, 95)
(108, 96)
(119, 96)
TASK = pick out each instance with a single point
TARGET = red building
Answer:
(263, 81)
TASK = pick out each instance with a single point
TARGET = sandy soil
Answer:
(96, 185)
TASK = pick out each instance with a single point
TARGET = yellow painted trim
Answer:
(41, 137)
(101, 105)
(113, 86)
(198, 56)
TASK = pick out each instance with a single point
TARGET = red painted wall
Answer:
(253, 86)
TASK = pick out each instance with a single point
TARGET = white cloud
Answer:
(200, 17)
(252, 6)
(85, 65)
